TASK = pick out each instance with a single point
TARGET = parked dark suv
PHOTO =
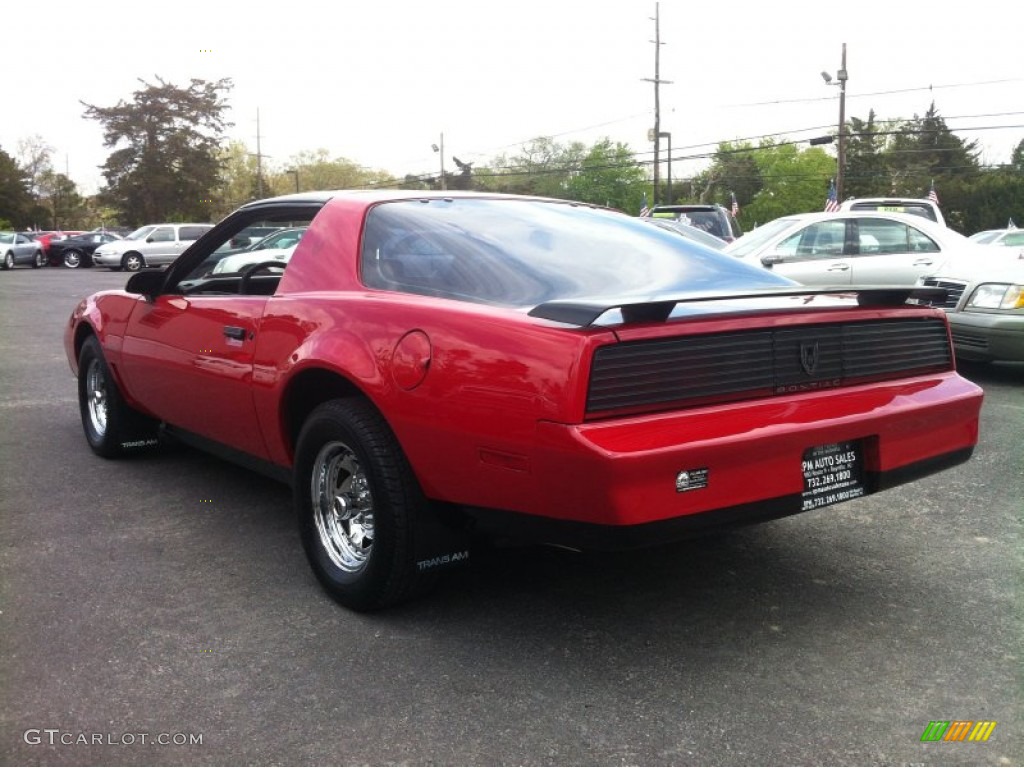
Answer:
(711, 218)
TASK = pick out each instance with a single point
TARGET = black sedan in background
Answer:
(75, 252)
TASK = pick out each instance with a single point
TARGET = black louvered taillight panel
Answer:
(697, 369)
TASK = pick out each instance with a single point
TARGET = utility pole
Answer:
(657, 134)
(259, 158)
(841, 76)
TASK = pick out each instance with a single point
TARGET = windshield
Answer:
(140, 233)
(754, 239)
(6, 237)
(985, 237)
(523, 253)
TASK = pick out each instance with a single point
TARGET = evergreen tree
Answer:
(166, 159)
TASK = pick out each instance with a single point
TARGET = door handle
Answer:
(840, 267)
(923, 263)
(234, 332)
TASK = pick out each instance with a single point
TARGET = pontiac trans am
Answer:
(429, 369)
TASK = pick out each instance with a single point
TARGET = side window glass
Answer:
(920, 242)
(791, 245)
(192, 233)
(1013, 239)
(822, 240)
(162, 235)
(876, 236)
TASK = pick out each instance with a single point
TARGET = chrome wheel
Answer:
(342, 507)
(39, 260)
(9, 261)
(72, 259)
(132, 262)
(96, 397)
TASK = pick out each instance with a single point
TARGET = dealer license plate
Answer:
(832, 473)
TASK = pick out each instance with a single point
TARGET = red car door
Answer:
(189, 360)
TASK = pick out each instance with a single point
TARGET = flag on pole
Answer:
(832, 201)
(735, 205)
(644, 210)
(932, 194)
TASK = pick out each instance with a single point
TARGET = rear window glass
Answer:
(523, 253)
(914, 210)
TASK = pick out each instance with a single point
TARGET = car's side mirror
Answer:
(769, 261)
(146, 284)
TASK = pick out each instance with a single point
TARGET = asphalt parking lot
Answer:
(166, 598)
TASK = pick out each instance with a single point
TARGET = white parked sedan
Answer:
(278, 246)
(1004, 238)
(851, 247)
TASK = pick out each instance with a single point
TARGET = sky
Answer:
(379, 82)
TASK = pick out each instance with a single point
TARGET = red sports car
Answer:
(431, 366)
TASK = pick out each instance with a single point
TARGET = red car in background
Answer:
(431, 366)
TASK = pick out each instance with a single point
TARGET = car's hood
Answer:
(988, 264)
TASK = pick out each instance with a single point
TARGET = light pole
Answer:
(294, 172)
(841, 77)
(668, 136)
(440, 150)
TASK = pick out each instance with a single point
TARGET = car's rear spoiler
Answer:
(584, 313)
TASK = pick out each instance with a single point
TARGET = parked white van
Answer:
(154, 245)
(929, 209)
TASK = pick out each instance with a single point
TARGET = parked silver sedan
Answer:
(984, 304)
(16, 248)
(851, 247)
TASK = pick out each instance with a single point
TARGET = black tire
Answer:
(112, 428)
(8, 262)
(132, 262)
(72, 258)
(357, 500)
(38, 260)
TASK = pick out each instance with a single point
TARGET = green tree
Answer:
(317, 170)
(166, 159)
(923, 150)
(35, 156)
(237, 183)
(1017, 158)
(15, 200)
(795, 180)
(542, 167)
(608, 175)
(66, 208)
(866, 173)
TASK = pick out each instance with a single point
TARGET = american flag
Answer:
(832, 201)
(933, 195)
(735, 205)
(644, 210)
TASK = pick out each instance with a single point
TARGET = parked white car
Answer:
(1004, 238)
(275, 247)
(155, 245)
(851, 247)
